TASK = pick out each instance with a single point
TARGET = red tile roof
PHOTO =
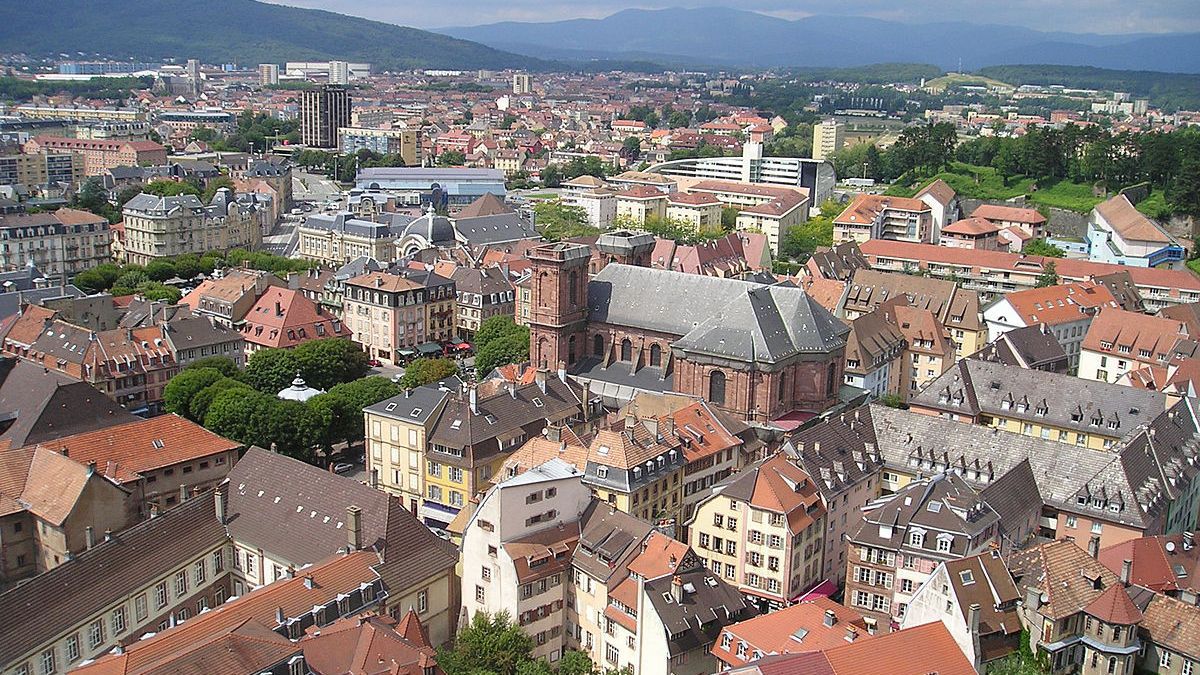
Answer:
(791, 630)
(284, 318)
(865, 208)
(1053, 305)
(123, 451)
(1114, 606)
(972, 227)
(1010, 214)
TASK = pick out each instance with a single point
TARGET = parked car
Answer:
(343, 467)
(374, 363)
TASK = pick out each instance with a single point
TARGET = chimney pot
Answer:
(1126, 571)
(1094, 547)
(280, 617)
(89, 534)
(219, 504)
(354, 532)
(830, 618)
(851, 634)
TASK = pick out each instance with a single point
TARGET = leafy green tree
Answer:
(892, 401)
(551, 176)
(271, 370)
(451, 158)
(245, 416)
(512, 348)
(489, 644)
(575, 663)
(494, 328)
(632, 147)
(729, 216)
(198, 406)
(92, 196)
(98, 279)
(1043, 248)
(222, 364)
(171, 188)
(351, 398)
(424, 371)
(328, 362)
(155, 291)
(189, 266)
(214, 185)
(160, 270)
(1048, 277)
(556, 220)
(178, 394)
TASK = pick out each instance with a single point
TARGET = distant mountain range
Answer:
(223, 31)
(733, 38)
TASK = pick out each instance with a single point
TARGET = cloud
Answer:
(1081, 16)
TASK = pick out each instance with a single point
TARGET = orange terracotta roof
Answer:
(1130, 333)
(1009, 214)
(1129, 223)
(913, 651)
(1053, 305)
(123, 451)
(791, 630)
(283, 318)
(1114, 606)
(385, 282)
(865, 208)
(972, 227)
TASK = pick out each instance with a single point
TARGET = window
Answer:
(118, 621)
(160, 595)
(655, 355)
(96, 633)
(72, 647)
(731, 547)
(598, 345)
(480, 594)
(716, 387)
(943, 545)
(916, 539)
(485, 573)
(906, 585)
(218, 562)
(139, 607)
(626, 350)
(1188, 667)
(1071, 521)
(198, 572)
(1097, 528)
(181, 583)
(48, 661)
(704, 540)
(718, 520)
(422, 602)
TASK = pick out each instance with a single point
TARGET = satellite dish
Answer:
(1045, 598)
(1170, 547)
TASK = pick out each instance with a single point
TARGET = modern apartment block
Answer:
(41, 168)
(323, 111)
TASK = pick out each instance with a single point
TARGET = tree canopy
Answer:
(498, 342)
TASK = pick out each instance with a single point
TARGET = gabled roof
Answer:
(792, 630)
(1129, 223)
(370, 644)
(486, 205)
(939, 190)
(779, 486)
(123, 452)
(1069, 579)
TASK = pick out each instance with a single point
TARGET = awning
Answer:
(406, 352)
(430, 348)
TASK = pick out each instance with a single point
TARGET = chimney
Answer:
(1189, 540)
(278, 308)
(562, 372)
(1094, 546)
(89, 536)
(473, 398)
(1126, 571)
(851, 634)
(677, 589)
(1033, 598)
(973, 627)
(375, 478)
(354, 531)
(91, 466)
(154, 510)
(183, 493)
(280, 617)
(308, 582)
(554, 433)
(219, 503)
(830, 618)
(539, 378)
(107, 535)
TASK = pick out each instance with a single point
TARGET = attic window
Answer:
(934, 507)
(967, 577)
(390, 407)
(158, 444)
(416, 412)
(537, 402)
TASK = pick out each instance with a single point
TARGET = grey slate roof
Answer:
(1029, 347)
(715, 316)
(502, 414)
(942, 503)
(37, 405)
(973, 386)
(494, 229)
(415, 405)
(608, 538)
(52, 603)
(346, 223)
(708, 605)
(146, 202)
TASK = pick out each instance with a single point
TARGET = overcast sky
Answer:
(1083, 16)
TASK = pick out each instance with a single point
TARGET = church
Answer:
(759, 351)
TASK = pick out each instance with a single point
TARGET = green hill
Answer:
(242, 31)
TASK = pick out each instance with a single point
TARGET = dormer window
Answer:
(916, 538)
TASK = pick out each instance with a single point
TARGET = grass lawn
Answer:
(1155, 206)
(982, 182)
(939, 84)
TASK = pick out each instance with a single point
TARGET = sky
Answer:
(1078, 16)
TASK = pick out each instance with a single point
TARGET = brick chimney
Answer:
(354, 527)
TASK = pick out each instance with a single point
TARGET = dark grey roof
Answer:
(38, 405)
(494, 229)
(266, 168)
(145, 202)
(52, 603)
(298, 512)
(618, 382)
(721, 317)
(1016, 499)
(414, 405)
(608, 538)
(504, 413)
(481, 281)
(707, 605)
(974, 386)
(11, 302)
(839, 262)
(346, 223)
(1032, 347)
(941, 504)
(197, 331)
(358, 267)
(433, 228)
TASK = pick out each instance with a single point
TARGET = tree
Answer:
(160, 270)
(893, 401)
(491, 644)
(270, 370)
(328, 362)
(551, 176)
(171, 188)
(222, 364)
(98, 279)
(350, 398)
(632, 147)
(508, 349)
(1043, 248)
(729, 216)
(1048, 277)
(451, 158)
(575, 663)
(493, 328)
(157, 292)
(179, 392)
(425, 371)
(198, 407)
(216, 184)
(556, 220)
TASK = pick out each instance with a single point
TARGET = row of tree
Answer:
(344, 168)
(131, 278)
